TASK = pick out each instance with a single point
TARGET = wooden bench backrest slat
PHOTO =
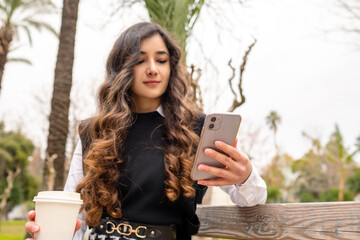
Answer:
(335, 220)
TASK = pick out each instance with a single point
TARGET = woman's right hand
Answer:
(32, 227)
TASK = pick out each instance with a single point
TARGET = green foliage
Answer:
(307, 197)
(5, 158)
(273, 194)
(14, 152)
(322, 168)
(353, 182)
(312, 173)
(275, 174)
(13, 230)
(177, 16)
(332, 195)
(30, 205)
(18, 147)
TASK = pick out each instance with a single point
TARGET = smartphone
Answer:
(217, 126)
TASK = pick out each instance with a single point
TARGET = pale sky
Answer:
(311, 78)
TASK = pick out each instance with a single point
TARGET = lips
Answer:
(151, 82)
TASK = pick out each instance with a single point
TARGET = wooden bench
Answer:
(330, 220)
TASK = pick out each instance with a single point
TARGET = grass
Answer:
(12, 230)
(15, 230)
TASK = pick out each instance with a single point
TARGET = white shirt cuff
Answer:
(252, 192)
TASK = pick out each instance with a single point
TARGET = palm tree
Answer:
(19, 15)
(177, 16)
(273, 119)
(340, 155)
(59, 122)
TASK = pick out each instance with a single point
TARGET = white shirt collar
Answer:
(160, 111)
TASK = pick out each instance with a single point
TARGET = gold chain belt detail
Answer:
(126, 229)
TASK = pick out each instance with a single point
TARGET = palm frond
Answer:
(154, 9)
(40, 25)
(6, 9)
(38, 4)
(350, 157)
(15, 4)
(195, 13)
(14, 48)
(28, 33)
(39, 7)
(26, 12)
(2, 7)
(339, 141)
(20, 60)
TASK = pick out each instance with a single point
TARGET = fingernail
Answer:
(218, 143)
(201, 167)
(35, 228)
(209, 151)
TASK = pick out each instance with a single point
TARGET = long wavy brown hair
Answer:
(107, 130)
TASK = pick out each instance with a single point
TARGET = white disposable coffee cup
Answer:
(56, 213)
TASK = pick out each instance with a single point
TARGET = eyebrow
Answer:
(157, 53)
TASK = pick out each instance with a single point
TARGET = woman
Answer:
(132, 164)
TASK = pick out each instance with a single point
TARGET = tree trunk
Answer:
(3, 57)
(59, 122)
(342, 183)
(7, 191)
(6, 36)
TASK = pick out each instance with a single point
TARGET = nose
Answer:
(152, 69)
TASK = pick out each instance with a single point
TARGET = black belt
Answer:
(111, 227)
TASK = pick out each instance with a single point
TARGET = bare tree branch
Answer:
(350, 9)
(232, 78)
(350, 30)
(115, 8)
(7, 191)
(195, 87)
(51, 170)
(236, 102)
(208, 60)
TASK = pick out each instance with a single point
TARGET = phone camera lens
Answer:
(213, 119)
(211, 126)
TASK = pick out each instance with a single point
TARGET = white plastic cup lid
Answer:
(58, 196)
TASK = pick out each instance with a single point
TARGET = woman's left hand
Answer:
(238, 166)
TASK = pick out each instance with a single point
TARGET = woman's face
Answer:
(151, 74)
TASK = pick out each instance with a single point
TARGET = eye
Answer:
(162, 61)
(140, 61)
